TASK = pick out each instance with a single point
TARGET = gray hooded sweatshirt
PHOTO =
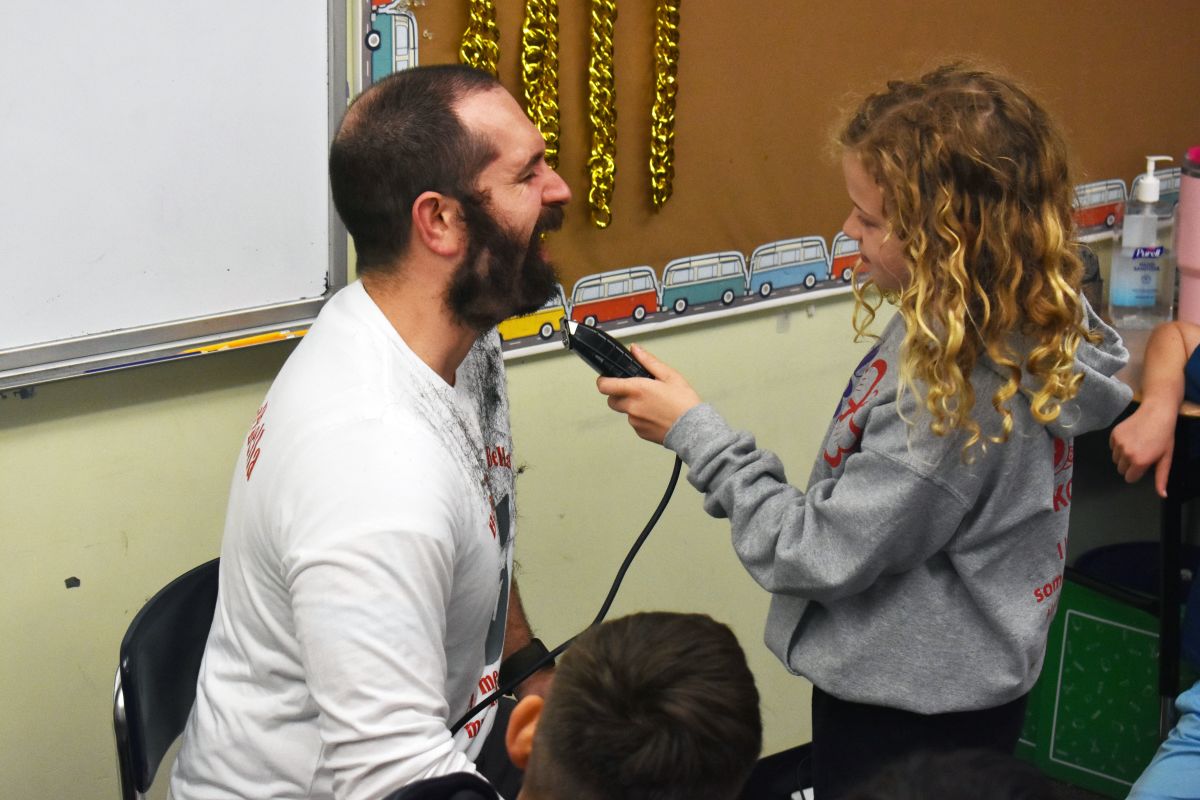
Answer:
(903, 576)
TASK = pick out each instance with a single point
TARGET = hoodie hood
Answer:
(1102, 396)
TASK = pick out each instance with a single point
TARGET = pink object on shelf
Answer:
(1187, 238)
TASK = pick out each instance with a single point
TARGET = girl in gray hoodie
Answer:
(913, 581)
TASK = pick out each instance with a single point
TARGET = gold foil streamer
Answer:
(539, 71)
(481, 40)
(602, 111)
(662, 115)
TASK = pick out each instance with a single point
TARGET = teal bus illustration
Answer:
(701, 279)
(788, 262)
(392, 39)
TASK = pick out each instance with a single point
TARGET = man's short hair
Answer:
(654, 705)
(402, 137)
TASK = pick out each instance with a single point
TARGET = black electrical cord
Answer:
(612, 593)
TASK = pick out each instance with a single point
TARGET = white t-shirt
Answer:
(364, 572)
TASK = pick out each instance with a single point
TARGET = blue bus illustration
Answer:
(700, 279)
(392, 39)
(788, 262)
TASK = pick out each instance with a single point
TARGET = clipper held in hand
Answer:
(602, 352)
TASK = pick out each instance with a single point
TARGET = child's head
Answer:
(963, 213)
(654, 705)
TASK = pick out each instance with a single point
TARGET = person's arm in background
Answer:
(1147, 437)
(518, 635)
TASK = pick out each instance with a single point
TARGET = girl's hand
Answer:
(652, 406)
(1147, 437)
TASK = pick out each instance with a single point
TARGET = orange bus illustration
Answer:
(618, 293)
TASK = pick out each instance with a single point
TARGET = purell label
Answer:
(1136, 276)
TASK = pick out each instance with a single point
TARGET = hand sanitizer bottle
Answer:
(1142, 284)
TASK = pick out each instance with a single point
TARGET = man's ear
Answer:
(438, 223)
(522, 724)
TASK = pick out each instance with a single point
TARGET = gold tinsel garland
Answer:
(539, 71)
(481, 40)
(662, 115)
(602, 111)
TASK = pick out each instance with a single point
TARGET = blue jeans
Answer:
(1174, 772)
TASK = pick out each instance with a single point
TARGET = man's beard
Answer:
(501, 276)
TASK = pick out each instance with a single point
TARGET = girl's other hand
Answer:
(652, 406)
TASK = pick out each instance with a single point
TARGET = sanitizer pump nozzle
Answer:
(1147, 190)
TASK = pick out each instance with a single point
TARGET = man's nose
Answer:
(557, 192)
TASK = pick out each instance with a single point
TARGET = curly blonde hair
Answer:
(976, 186)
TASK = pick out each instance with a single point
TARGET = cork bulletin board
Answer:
(761, 84)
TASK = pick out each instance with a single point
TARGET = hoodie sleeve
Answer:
(880, 516)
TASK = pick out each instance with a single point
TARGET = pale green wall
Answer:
(120, 480)
(590, 484)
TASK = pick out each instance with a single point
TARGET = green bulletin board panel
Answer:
(1093, 715)
(1107, 699)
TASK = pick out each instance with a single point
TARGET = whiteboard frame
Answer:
(33, 364)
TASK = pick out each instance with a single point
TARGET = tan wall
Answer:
(761, 83)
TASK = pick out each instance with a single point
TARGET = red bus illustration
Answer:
(1099, 205)
(844, 257)
(618, 293)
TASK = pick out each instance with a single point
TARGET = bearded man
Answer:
(365, 597)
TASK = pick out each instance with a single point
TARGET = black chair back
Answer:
(156, 679)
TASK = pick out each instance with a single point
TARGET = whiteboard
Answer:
(163, 176)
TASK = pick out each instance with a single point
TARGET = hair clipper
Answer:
(602, 352)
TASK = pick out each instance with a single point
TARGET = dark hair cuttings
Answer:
(402, 137)
(957, 775)
(652, 706)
